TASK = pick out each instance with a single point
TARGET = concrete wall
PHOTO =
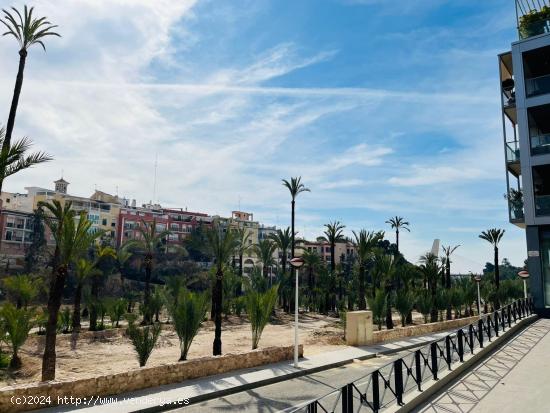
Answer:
(142, 378)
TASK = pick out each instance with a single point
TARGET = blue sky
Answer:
(383, 107)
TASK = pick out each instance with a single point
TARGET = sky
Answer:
(383, 107)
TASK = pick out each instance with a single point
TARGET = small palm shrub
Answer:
(22, 288)
(187, 314)
(404, 302)
(378, 307)
(65, 320)
(424, 303)
(441, 300)
(156, 302)
(143, 339)
(259, 307)
(16, 323)
(116, 310)
(456, 298)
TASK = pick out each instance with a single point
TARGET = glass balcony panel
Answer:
(540, 144)
(512, 154)
(542, 205)
(535, 28)
(537, 86)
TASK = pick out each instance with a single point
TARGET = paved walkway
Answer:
(241, 380)
(514, 379)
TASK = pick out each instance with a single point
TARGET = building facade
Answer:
(525, 97)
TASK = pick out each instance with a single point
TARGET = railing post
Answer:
(433, 354)
(398, 379)
(496, 321)
(448, 351)
(509, 317)
(375, 391)
(471, 336)
(460, 339)
(503, 319)
(418, 369)
(480, 332)
(489, 323)
(347, 398)
(312, 407)
(515, 311)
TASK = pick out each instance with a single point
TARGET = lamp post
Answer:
(477, 279)
(524, 275)
(296, 263)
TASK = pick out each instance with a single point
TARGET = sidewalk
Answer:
(149, 400)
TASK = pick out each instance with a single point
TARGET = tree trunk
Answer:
(147, 316)
(240, 282)
(433, 314)
(95, 300)
(217, 310)
(362, 291)
(292, 225)
(54, 303)
(76, 307)
(14, 102)
(497, 279)
(389, 319)
(397, 240)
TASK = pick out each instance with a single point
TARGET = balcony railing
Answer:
(534, 28)
(512, 155)
(542, 205)
(537, 86)
(540, 144)
(516, 213)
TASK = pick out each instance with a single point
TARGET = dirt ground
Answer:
(318, 333)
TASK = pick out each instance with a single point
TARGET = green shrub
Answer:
(187, 314)
(404, 303)
(259, 307)
(143, 339)
(116, 310)
(16, 323)
(424, 303)
(378, 307)
(65, 320)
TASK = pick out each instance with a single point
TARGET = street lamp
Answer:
(296, 263)
(477, 279)
(524, 275)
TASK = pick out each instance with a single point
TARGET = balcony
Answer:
(512, 158)
(540, 144)
(537, 86)
(541, 187)
(533, 19)
(515, 205)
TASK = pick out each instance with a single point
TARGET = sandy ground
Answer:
(318, 333)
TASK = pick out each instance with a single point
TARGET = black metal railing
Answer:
(389, 384)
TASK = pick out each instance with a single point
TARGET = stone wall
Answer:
(142, 378)
(419, 330)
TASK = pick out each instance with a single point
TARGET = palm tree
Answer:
(312, 261)
(148, 243)
(385, 267)
(16, 323)
(27, 31)
(103, 254)
(334, 233)
(122, 257)
(398, 223)
(283, 240)
(431, 271)
(493, 236)
(264, 250)
(84, 269)
(72, 236)
(23, 288)
(365, 242)
(295, 187)
(244, 244)
(222, 245)
(14, 158)
(448, 251)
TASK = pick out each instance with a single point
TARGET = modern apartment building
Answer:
(525, 96)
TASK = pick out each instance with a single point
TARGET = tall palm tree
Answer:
(398, 223)
(28, 31)
(72, 236)
(222, 245)
(385, 267)
(429, 266)
(312, 262)
(334, 233)
(148, 244)
(283, 240)
(295, 187)
(244, 245)
(365, 243)
(494, 236)
(448, 251)
(264, 250)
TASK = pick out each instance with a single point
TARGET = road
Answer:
(283, 395)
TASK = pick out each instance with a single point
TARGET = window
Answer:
(9, 235)
(104, 221)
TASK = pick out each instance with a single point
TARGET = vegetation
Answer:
(494, 236)
(398, 223)
(295, 187)
(16, 324)
(259, 307)
(143, 339)
(187, 313)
